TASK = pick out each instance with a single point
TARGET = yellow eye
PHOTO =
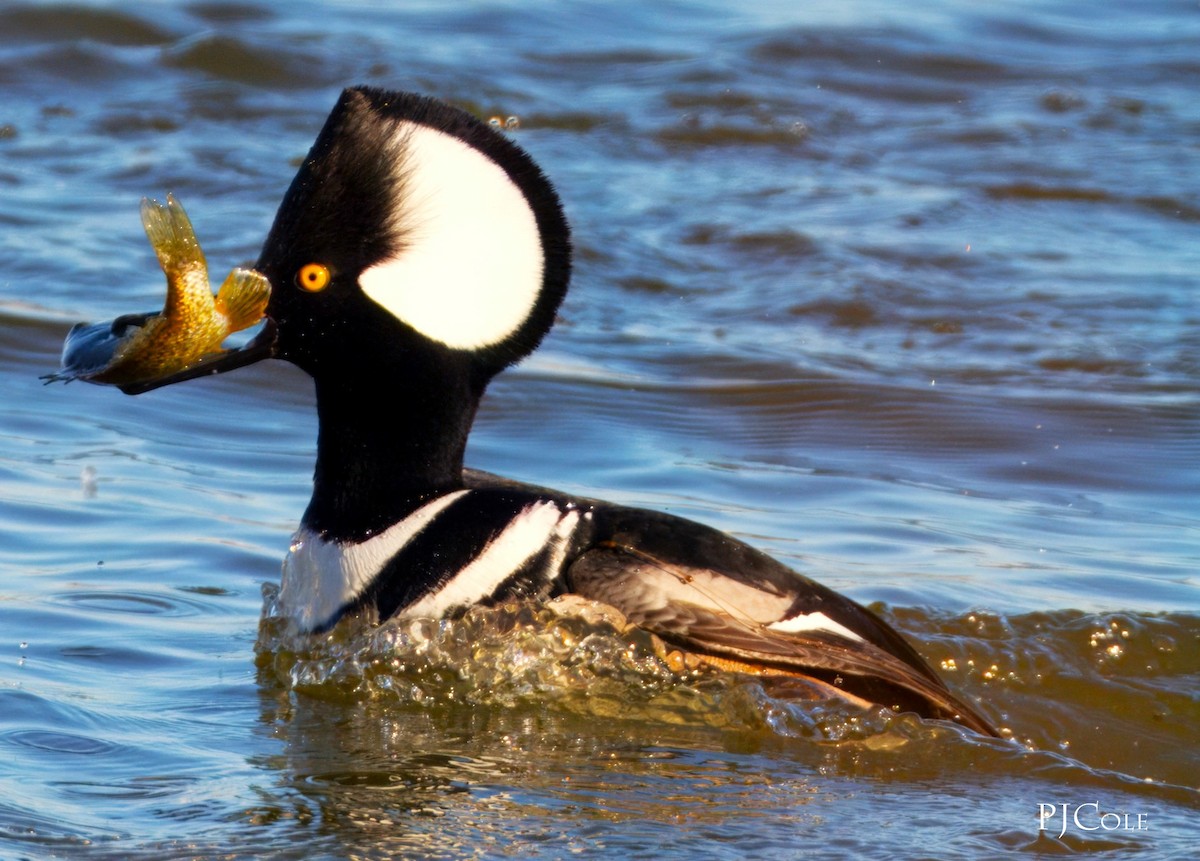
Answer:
(312, 277)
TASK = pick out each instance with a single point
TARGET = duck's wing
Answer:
(712, 595)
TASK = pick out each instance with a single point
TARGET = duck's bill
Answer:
(93, 353)
(261, 346)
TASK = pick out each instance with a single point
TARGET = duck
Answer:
(418, 253)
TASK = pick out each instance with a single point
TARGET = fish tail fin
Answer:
(243, 297)
(170, 233)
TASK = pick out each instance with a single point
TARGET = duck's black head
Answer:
(417, 253)
(413, 233)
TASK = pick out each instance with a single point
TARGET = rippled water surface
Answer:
(905, 295)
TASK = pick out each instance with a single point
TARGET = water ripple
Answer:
(58, 742)
(75, 23)
(132, 602)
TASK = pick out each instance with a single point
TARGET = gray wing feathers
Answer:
(705, 612)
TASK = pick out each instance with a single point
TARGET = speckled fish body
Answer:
(192, 324)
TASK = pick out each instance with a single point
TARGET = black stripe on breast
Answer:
(447, 545)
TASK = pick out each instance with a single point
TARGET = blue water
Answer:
(905, 296)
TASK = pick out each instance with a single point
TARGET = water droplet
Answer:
(509, 123)
(1163, 643)
(87, 481)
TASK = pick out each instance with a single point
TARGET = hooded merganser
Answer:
(418, 253)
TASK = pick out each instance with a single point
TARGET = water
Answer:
(905, 296)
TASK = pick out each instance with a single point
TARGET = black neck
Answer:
(385, 448)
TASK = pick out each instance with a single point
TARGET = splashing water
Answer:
(571, 654)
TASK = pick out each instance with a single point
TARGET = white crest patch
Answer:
(321, 577)
(813, 622)
(524, 537)
(472, 267)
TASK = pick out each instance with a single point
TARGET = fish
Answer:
(193, 324)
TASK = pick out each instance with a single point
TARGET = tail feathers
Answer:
(852, 669)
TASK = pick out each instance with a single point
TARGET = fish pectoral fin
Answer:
(170, 233)
(243, 297)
